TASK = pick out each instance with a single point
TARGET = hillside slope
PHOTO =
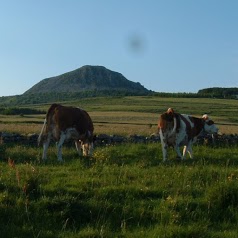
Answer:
(87, 78)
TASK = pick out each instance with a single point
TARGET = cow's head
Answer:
(168, 123)
(87, 148)
(166, 119)
(209, 125)
(87, 143)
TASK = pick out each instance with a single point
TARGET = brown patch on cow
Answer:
(198, 126)
(177, 121)
(58, 115)
(191, 131)
(188, 126)
(49, 116)
(166, 120)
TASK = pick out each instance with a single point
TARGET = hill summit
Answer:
(87, 78)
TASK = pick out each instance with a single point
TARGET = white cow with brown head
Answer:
(62, 123)
(178, 130)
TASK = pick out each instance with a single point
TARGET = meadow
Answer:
(123, 190)
(131, 115)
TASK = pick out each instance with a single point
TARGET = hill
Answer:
(87, 81)
(87, 78)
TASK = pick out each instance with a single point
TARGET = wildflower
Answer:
(11, 163)
(230, 178)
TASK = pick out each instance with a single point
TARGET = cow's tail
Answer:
(41, 133)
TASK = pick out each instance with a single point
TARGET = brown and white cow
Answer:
(62, 123)
(182, 130)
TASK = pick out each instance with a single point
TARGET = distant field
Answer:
(133, 115)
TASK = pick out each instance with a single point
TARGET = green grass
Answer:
(123, 191)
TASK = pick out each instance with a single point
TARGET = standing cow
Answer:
(182, 130)
(63, 123)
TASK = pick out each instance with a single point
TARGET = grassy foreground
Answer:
(123, 191)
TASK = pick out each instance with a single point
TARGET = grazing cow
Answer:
(63, 123)
(182, 130)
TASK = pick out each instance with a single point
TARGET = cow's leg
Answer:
(46, 146)
(164, 145)
(185, 150)
(190, 150)
(78, 147)
(85, 149)
(177, 149)
(59, 146)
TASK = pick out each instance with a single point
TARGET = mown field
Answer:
(124, 190)
(129, 115)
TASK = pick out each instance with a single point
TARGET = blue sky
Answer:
(166, 45)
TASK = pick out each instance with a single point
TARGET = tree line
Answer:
(41, 98)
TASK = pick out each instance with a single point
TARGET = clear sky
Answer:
(166, 45)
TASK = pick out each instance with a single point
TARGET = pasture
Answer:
(132, 115)
(124, 190)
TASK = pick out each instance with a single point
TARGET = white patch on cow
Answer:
(41, 133)
(188, 149)
(188, 119)
(171, 133)
(71, 133)
(63, 136)
(163, 143)
(46, 146)
(183, 140)
(210, 128)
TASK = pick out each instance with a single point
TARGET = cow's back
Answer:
(72, 117)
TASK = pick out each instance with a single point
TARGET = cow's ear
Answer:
(170, 111)
(205, 117)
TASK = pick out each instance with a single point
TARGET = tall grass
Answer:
(122, 191)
